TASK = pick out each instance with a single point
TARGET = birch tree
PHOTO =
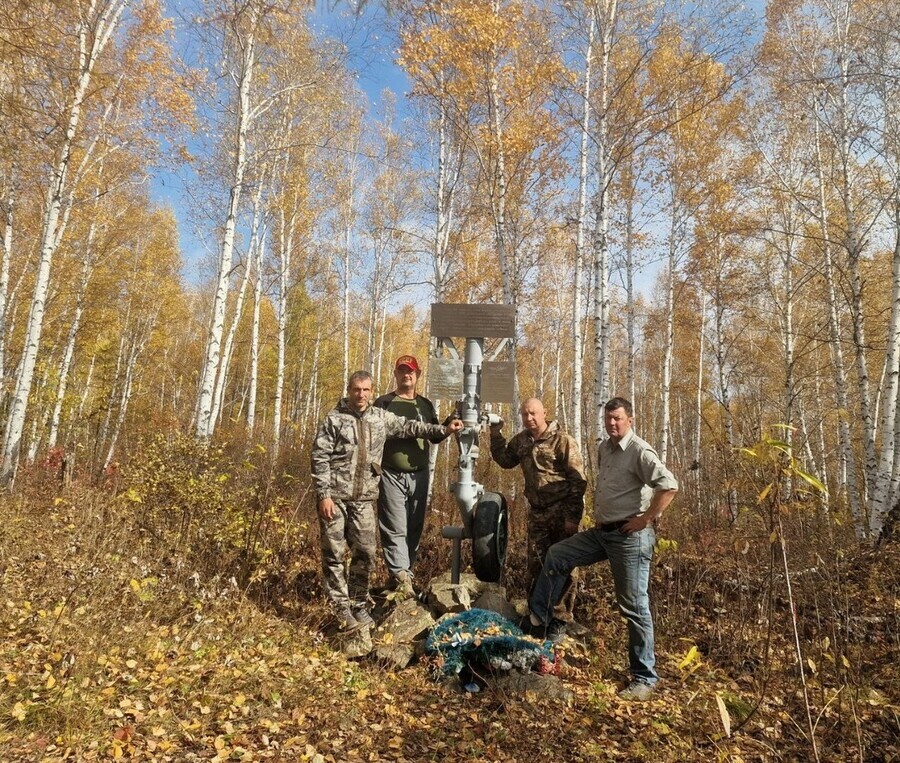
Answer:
(880, 60)
(241, 26)
(127, 69)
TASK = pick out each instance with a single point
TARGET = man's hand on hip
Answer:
(635, 524)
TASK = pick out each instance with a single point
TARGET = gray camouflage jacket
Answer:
(346, 454)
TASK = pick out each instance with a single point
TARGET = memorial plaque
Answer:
(498, 380)
(445, 380)
(473, 320)
(445, 377)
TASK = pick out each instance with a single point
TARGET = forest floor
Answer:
(112, 651)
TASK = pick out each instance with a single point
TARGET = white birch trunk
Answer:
(310, 409)
(114, 388)
(124, 400)
(668, 352)
(38, 420)
(630, 309)
(882, 498)
(85, 392)
(347, 253)
(5, 257)
(790, 391)
(725, 399)
(698, 402)
(224, 366)
(97, 26)
(886, 489)
(820, 431)
(69, 353)
(379, 355)
(607, 24)
(854, 245)
(254, 338)
(506, 259)
(578, 285)
(837, 353)
(205, 422)
(228, 350)
(284, 265)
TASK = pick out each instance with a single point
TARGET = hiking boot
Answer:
(358, 644)
(403, 583)
(529, 628)
(362, 616)
(347, 623)
(576, 629)
(556, 631)
(637, 691)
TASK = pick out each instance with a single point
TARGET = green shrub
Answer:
(191, 498)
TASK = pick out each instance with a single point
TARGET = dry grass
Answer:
(119, 644)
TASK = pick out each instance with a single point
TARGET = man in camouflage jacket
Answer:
(346, 468)
(554, 486)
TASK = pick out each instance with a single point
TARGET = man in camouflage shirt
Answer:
(346, 469)
(554, 486)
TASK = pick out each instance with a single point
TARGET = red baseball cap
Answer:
(409, 361)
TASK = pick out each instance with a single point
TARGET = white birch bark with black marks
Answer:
(114, 388)
(285, 253)
(698, 401)
(205, 422)
(138, 343)
(885, 493)
(228, 347)
(86, 388)
(254, 336)
(853, 244)
(497, 186)
(677, 223)
(65, 365)
(630, 306)
(837, 353)
(886, 489)
(607, 21)
(95, 30)
(578, 279)
(5, 257)
(448, 175)
(347, 252)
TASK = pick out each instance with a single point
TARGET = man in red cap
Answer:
(404, 476)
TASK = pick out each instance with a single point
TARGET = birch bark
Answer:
(205, 422)
(5, 256)
(65, 365)
(254, 337)
(606, 13)
(255, 226)
(837, 353)
(578, 285)
(95, 30)
(285, 253)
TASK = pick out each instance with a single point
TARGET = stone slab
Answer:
(397, 638)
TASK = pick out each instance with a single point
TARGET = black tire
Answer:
(489, 537)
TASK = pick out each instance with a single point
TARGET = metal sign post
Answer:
(475, 381)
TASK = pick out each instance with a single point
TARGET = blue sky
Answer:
(371, 51)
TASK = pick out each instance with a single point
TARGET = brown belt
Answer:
(609, 527)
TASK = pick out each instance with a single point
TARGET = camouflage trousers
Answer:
(351, 528)
(546, 527)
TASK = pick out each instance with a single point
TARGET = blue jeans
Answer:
(629, 561)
